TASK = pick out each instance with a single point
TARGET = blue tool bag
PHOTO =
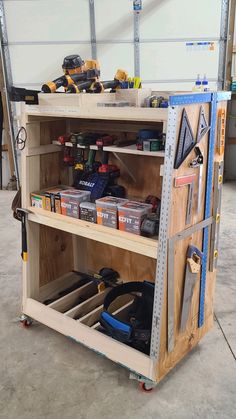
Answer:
(135, 330)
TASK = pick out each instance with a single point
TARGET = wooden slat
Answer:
(52, 288)
(65, 303)
(121, 311)
(117, 238)
(92, 317)
(83, 308)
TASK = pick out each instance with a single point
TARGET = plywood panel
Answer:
(130, 266)
(52, 170)
(146, 172)
(56, 254)
(51, 130)
(186, 340)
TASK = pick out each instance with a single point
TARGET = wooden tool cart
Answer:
(58, 245)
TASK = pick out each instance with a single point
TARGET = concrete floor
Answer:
(45, 375)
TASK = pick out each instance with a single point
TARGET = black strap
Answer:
(126, 289)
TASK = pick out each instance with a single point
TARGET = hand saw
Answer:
(193, 266)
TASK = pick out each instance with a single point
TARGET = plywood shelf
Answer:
(131, 149)
(113, 237)
(94, 112)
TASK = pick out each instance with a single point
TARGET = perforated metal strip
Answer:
(137, 9)
(92, 29)
(164, 231)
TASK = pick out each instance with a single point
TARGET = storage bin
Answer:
(38, 199)
(88, 212)
(131, 214)
(71, 200)
(52, 198)
(107, 210)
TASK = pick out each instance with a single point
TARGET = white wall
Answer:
(42, 32)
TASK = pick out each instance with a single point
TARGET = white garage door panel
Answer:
(47, 20)
(180, 19)
(41, 63)
(114, 20)
(171, 61)
(115, 56)
(175, 86)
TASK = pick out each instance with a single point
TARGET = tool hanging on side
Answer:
(171, 271)
(203, 126)
(22, 215)
(193, 267)
(187, 180)
(186, 140)
(198, 163)
(220, 143)
(218, 182)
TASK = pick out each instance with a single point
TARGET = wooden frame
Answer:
(57, 244)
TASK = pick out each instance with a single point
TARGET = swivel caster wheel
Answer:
(25, 321)
(145, 387)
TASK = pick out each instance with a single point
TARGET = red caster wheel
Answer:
(145, 388)
(26, 322)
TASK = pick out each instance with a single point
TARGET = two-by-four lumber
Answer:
(67, 301)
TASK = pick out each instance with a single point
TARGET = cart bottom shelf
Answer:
(77, 314)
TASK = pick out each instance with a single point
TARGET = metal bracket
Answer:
(125, 167)
(141, 379)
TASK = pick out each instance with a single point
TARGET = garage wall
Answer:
(42, 32)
